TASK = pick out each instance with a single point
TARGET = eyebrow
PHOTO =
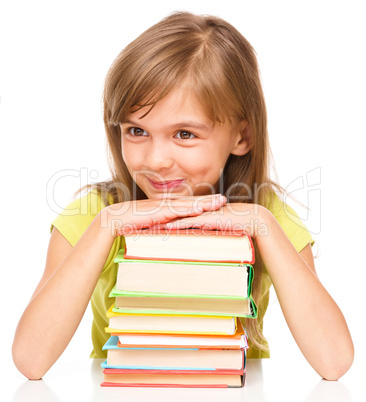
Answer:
(187, 124)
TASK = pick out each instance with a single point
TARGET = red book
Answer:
(189, 245)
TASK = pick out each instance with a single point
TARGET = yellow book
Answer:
(170, 324)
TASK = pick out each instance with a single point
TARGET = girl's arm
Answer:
(314, 319)
(67, 284)
(71, 274)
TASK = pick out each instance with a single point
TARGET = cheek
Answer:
(205, 166)
(215, 167)
(130, 156)
(211, 159)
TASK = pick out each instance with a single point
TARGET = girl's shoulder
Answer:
(78, 215)
(289, 220)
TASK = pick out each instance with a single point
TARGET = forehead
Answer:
(180, 103)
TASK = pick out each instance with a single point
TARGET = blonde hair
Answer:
(223, 73)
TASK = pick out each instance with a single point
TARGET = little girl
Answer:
(186, 125)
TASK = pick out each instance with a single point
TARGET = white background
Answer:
(54, 57)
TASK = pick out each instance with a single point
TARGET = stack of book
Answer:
(178, 298)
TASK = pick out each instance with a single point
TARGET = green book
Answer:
(183, 288)
(150, 303)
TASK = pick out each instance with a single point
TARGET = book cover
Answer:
(180, 358)
(124, 341)
(189, 245)
(234, 281)
(186, 306)
(184, 277)
(173, 378)
(157, 323)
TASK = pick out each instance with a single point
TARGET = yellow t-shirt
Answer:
(78, 215)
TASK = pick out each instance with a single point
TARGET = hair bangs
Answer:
(144, 79)
(209, 85)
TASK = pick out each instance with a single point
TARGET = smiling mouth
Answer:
(166, 185)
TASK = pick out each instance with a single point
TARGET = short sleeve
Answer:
(73, 221)
(291, 224)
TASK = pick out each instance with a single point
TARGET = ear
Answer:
(244, 139)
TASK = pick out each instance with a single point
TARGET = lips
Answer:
(166, 184)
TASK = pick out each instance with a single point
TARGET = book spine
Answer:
(113, 384)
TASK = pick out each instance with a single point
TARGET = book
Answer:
(157, 339)
(183, 288)
(157, 323)
(184, 278)
(189, 245)
(162, 305)
(173, 378)
(180, 358)
(174, 321)
(168, 341)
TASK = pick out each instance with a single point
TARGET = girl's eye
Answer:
(184, 135)
(137, 131)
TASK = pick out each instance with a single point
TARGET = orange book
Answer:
(173, 378)
(236, 341)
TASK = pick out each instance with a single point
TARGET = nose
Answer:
(159, 156)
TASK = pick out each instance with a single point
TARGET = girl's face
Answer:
(175, 150)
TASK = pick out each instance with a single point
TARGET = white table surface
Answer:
(286, 376)
(288, 379)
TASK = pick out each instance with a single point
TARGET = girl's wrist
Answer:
(263, 222)
(109, 222)
(254, 219)
(266, 222)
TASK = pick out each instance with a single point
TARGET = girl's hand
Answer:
(238, 216)
(132, 215)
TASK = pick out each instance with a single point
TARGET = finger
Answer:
(190, 223)
(158, 221)
(193, 197)
(154, 208)
(168, 214)
(207, 203)
(212, 204)
(181, 210)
